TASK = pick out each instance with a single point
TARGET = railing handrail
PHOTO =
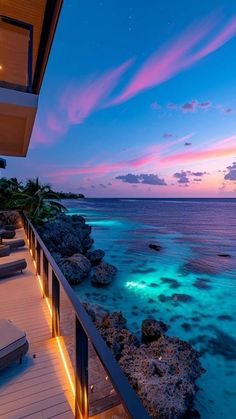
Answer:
(128, 397)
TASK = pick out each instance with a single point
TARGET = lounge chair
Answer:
(14, 244)
(13, 343)
(10, 268)
(5, 234)
(10, 227)
(4, 250)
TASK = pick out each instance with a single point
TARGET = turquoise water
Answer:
(192, 234)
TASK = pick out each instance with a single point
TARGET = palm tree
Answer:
(33, 185)
(7, 188)
(38, 200)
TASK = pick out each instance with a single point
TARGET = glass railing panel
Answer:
(103, 398)
(67, 331)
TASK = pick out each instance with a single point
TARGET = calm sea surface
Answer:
(192, 234)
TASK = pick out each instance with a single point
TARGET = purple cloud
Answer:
(146, 179)
(231, 175)
(167, 135)
(187, 144)
(155, 106)
(189, 106)
(184, 176)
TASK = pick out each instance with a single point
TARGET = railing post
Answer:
(30, 237)
(81, 372)
(55, 306)
(38, 262)
(33, 243)
(45, 276)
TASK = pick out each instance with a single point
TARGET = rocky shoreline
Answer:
(162, 369)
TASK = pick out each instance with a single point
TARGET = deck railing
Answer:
(85, 332)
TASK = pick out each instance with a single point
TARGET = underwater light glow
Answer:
(105, 223)
(132, 284)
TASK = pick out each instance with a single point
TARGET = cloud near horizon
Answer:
(231, 175)
(184, 177)
(146, 179)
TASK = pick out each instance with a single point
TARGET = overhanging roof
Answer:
(43, 16)
(27, 31)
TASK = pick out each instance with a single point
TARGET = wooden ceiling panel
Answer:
(28, 11)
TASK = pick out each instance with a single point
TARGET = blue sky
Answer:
(138, 88)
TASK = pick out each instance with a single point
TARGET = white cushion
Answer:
(11, 337)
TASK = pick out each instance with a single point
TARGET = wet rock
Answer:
(153, 285)
(152, 330)
(223, 344)
(163, 374)
(172, 282)
(207, 265)
(163, 298)
(150, 300)
(75, 268)
(176, 317)
(96, 256)
(66, 235)
(104, 274)
(87, 244)
(192, 414)
(143, 271)
(154, 246)
(202, 284)
(183, 298)
(113, 329)
(224, 317)
(186, 326)
(96, 312)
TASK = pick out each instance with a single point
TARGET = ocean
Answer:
(197, 260)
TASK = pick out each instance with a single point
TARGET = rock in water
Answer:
(163, 374)
(184, 298)
(75, 268)
(104, 274)
(152, 330)
(154, 246)
(96, 256)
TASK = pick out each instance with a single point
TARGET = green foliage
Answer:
(38, 200)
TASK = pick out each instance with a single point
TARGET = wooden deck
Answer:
(39, 387)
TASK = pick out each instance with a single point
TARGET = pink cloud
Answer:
(40, 135)
(176, 56)
(216, 151)
(189, 106)
(80, 101)
(151, 155)
(54, 123)
(223, 36)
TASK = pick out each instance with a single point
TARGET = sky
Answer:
(138, 100)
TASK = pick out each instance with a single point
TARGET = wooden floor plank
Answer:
(38, 388)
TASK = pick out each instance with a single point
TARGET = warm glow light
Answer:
(1, 67)
(58, 340)
(57, 337)
(65, 365)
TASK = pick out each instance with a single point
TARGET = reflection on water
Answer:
(190, 284)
